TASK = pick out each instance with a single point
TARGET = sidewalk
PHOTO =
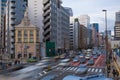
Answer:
(114, 65)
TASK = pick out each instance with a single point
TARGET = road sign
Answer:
(50, 49)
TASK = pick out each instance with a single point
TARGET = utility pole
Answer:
(106, 41)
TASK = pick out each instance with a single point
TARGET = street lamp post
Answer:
(106, 40)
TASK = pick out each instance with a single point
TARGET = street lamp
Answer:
(106, 39)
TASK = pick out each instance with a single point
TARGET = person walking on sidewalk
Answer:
(117, 75)
(114, 73)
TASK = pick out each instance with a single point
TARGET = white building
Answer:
(14, 14)
(84, 20)
(35, 14)
(74, 30)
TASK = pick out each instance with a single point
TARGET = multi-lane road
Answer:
(37, 71)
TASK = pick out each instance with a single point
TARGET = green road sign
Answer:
(50, 49)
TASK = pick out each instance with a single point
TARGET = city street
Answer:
(29, 72)
(61, 68)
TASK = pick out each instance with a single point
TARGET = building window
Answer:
(19, 33)
(31, 39)
(13, 13)
(25, 33)
(25, 39)
(25, 55)
(31, 33)
(13, 19)
(19, 39)
(30, 55)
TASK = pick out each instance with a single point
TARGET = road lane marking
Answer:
(68, 68)
(92, 69)
(72, 68)
(75, 69)
(63, 69)
(40, 74)
(89, 69)
(100, 70)
(58, 68)
(96, 70)
(44, 72)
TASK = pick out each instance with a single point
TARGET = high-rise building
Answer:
(62, 29)
(96, 26)
(69, 10)
(84, 20)
(56, 23)
(74, 33)
(14, 14)
(35, 14)
(96, 34)
(117, 26)
(82, 41)
(27, 43)
(117, 16)
(2, 22)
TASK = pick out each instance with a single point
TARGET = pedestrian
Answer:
(114, 72)
(117, 73)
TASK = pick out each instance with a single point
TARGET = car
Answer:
(81, 55)
(65, 60)
(91, 62)
(94, 53)
(95, 57)
(82, 60)
(88, 56)
(31, 60)
(75, 59)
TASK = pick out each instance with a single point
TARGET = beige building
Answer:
(27, 42)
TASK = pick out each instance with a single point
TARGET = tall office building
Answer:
(96, 26)
(117, 26)
(69, 10)
(84, 20)
(56, 23)
(74, 33)
(2, 26)
(82, 37)
(95, 34)
(35, 14)
(14, 14)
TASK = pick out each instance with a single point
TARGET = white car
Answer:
(88, 56)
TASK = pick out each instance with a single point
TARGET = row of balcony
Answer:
(46, 19)
(47, 12)
(46, 31)
(46, 25)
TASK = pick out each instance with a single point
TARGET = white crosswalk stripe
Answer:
(96, 70)
(75, 69)
(68, 68)
(100, 70)
(71, 68)
(92, 69)
(89, 69)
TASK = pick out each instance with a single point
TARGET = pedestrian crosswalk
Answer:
(96, 70)
(74, 69)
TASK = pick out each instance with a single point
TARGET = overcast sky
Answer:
(93, 8)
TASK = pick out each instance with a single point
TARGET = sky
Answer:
(93, 8)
